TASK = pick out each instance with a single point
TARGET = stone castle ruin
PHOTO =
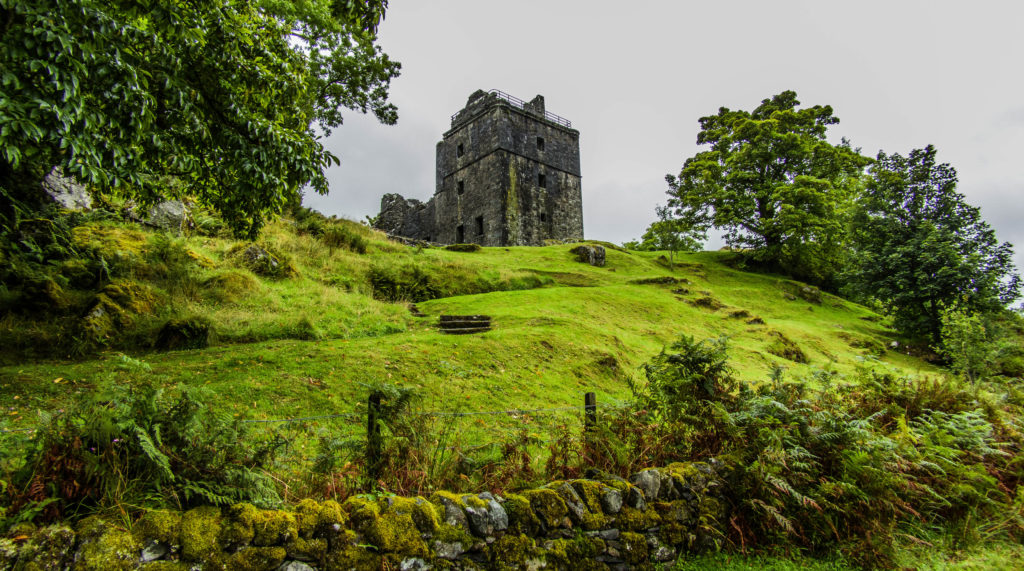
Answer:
(508, 174)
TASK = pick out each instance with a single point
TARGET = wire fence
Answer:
(307, 438)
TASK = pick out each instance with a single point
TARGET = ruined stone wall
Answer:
(505, 176)
(658, 515)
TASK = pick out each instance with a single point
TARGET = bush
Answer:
(463, 247)
(263, 261)
(132, 447)
(338, 236)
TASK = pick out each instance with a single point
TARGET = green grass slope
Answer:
(308, 339)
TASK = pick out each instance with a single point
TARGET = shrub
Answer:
(338, 236)
(463, 247)
(262, 260)
(784, 347)
(131, 447)
(406, 282)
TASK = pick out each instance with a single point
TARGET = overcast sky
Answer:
(634, 77)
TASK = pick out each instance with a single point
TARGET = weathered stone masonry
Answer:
(605, 523)
(508, 174)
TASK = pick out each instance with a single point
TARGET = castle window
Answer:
(540, 143)
(543, 217)
(459, 151)
(480, 225)
(461, 186)
(542, 181)
(460, 234)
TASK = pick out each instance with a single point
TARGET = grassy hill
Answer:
(303, 324)
(308, 340)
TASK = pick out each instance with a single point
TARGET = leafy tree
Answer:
(919, 247)
(672, 234)
(225, 96)
(774, 183)
(965, 343)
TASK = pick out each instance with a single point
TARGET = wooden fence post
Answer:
(590, 406)
(373, 439)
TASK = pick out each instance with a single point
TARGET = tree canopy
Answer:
(774, 183)
(670, 234)
(227, 97)
(919, 248)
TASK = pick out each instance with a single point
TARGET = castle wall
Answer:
(505, 176)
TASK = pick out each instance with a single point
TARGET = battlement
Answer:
(480, 99)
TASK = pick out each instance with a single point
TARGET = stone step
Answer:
(464, 324)
(465, 330)
(447, 318)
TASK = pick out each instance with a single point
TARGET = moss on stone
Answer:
(51, 547)
(632, 519)
(594, 521)
(590, 492)
(521, 518)
(237, 531)
(512, 551)
(162, 525)
(274, 527)
(634, 547)
(200, 529)
(313, 549)
(102, 547)
(353, 557)
(257, 559)
(425, 516)
(313, 517)
(165, 566)
(390, 530)
(112, 243)
(115, 307)
(547, 506)
(456, 498)
(576, 553)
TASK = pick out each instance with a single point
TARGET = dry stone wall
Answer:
(599, 523)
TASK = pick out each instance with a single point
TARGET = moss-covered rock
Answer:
(548, 507)
(577, 553)
(632, 519)
(200, 530)
(782, 346)
(262, 260)
(165, 566)
(158, 525)
(634, 547)
(513, 551)
(463, 247)
(186, 333)
(102, 547)
(314, 517)
(48, 549)
(390, 528)
(257, 559)
(521, 519)
(116, 307)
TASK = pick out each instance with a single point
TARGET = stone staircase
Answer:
(464, 324)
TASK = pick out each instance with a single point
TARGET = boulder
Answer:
(66, 191)
(590, 254)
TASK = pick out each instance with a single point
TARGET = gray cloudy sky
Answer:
(634, 77)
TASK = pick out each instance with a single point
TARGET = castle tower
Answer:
(508, 174)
